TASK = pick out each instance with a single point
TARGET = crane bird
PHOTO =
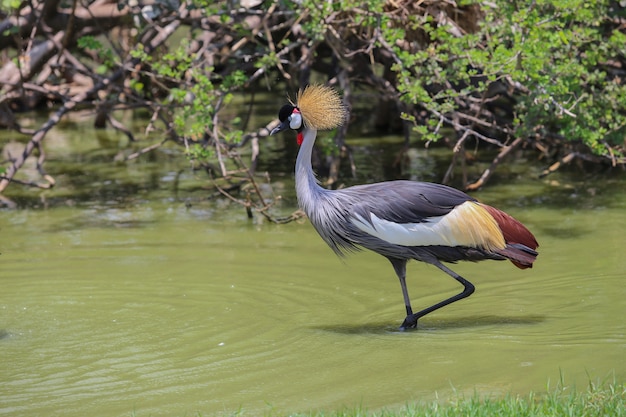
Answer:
(401, 220)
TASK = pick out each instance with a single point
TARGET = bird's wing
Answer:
(411, 213)
(405, 201)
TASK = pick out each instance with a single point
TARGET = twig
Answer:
(146, 150)
(458, 148)
(555, 166)
(119, 126)
(489, 171)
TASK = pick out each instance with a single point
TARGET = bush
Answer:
(547, 76)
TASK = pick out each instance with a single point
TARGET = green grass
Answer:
(607, 400)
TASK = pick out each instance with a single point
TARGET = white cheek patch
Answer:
(295, 121)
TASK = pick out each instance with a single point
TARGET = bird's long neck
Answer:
(307, 187)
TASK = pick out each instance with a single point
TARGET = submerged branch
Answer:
(496, 161)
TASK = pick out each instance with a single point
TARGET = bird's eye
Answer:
(285, 112)
(295, 120)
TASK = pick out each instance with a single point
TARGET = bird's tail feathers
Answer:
(520, 255)
(520, 242)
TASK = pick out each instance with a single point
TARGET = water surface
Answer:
(124, 290)
(164, 310)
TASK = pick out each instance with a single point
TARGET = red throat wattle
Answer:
(300, 138)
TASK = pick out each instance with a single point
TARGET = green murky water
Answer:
(115, 304)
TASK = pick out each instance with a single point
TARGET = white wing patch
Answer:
(466, 225)
(407, 234)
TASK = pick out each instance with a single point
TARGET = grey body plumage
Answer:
(331, 212)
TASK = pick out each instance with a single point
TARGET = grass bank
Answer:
(607, 400)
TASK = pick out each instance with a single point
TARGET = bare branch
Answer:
(497, 160)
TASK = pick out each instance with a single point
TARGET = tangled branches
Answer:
(493, 74)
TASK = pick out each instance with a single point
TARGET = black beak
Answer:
(283, 126)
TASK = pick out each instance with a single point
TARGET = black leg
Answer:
(399, 265)
(468, 289)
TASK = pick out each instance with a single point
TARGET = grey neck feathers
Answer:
(321, 205)
(307, 187)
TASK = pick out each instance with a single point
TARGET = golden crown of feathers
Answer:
(321, 107)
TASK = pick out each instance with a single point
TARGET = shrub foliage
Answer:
(542, 75)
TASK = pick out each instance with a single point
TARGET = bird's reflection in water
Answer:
(433, 324)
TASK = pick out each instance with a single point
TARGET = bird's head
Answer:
(290, 118)
(317, 107)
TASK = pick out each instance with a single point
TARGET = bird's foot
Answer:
(409, 323)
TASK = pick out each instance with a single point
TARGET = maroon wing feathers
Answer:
(521, 243)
